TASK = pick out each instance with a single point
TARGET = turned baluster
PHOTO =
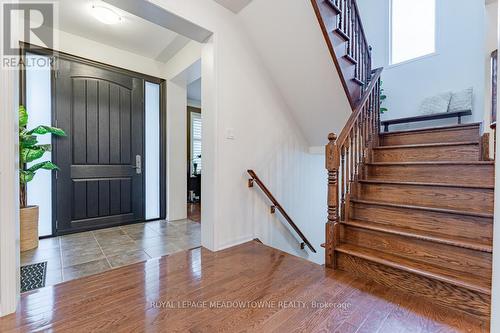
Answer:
(340, 16)
(343, 182)
(332, 225)
(352, 157)
(356, 145)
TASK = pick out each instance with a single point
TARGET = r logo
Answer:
(37, 25)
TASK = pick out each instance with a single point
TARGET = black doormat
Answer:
(33, 276)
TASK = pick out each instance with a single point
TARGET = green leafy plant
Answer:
(383, 97)
(30, 151)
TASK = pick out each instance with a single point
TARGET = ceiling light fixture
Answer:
(106, 15)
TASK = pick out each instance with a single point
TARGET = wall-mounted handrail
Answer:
(345, 158)
(276, 205)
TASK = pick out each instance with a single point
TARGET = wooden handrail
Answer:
(276, 205)
(354, 116)
(345, 159)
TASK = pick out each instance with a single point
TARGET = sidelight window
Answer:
(152, 168)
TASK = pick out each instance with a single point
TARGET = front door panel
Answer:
(100, 183)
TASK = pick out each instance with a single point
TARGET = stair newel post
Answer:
(365, 138)
(332, 225)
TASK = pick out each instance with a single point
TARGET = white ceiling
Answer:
(132, 34)
(234, 5)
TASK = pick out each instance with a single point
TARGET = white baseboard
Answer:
(235, 242)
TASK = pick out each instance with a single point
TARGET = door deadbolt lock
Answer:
(138, 164)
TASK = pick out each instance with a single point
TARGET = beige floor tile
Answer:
(116, 239)
(94, 252)
(75, 240)
(114, 230)
(127, 258)
(110, 236)
(80, 256)
(162, 250)
(39, 255)
(48, 243)
(145, 233)
(85, 269)
(160, 240)
(187, 243)
(115, 248)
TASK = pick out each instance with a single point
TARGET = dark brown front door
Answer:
(100, 182)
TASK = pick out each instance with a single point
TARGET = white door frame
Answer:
(9, 192)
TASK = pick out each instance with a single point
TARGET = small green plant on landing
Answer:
(30, 150)
(383, 97)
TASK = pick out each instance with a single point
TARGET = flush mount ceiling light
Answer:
(105, 15)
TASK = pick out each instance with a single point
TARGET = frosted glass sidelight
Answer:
(38, 104)
(152, 121)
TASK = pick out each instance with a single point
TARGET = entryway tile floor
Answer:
(74, 256)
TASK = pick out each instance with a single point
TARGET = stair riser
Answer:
(482, 175)
(424, 154)
(439, 292)
(433, 136)
(478, 229)
(464, 199)
(442, 255)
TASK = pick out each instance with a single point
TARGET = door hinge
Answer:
(57, 174)
(57, 73)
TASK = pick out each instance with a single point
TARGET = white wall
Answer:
(9, 192)
(458, 64)
(238, 93)
(180, 71)
(290, 42)
(176, 150)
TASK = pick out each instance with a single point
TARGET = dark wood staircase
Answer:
(420, 217)
(345, 37)
(409, 209)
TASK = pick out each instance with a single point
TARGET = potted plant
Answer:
(383, 98)
(30, 151)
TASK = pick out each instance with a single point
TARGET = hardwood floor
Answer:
(194, 212)
(194, 291)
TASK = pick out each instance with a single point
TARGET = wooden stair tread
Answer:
(350, 59)
(434, 163)
(426, 145)
(428, 129)
(395, 182)
(433, 209)
(459, 279)
(342, 34)
(419, 234)
(334, 6)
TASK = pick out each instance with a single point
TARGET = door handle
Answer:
(138, 164)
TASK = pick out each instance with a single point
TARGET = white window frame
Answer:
(192, 140)
(419, 58)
